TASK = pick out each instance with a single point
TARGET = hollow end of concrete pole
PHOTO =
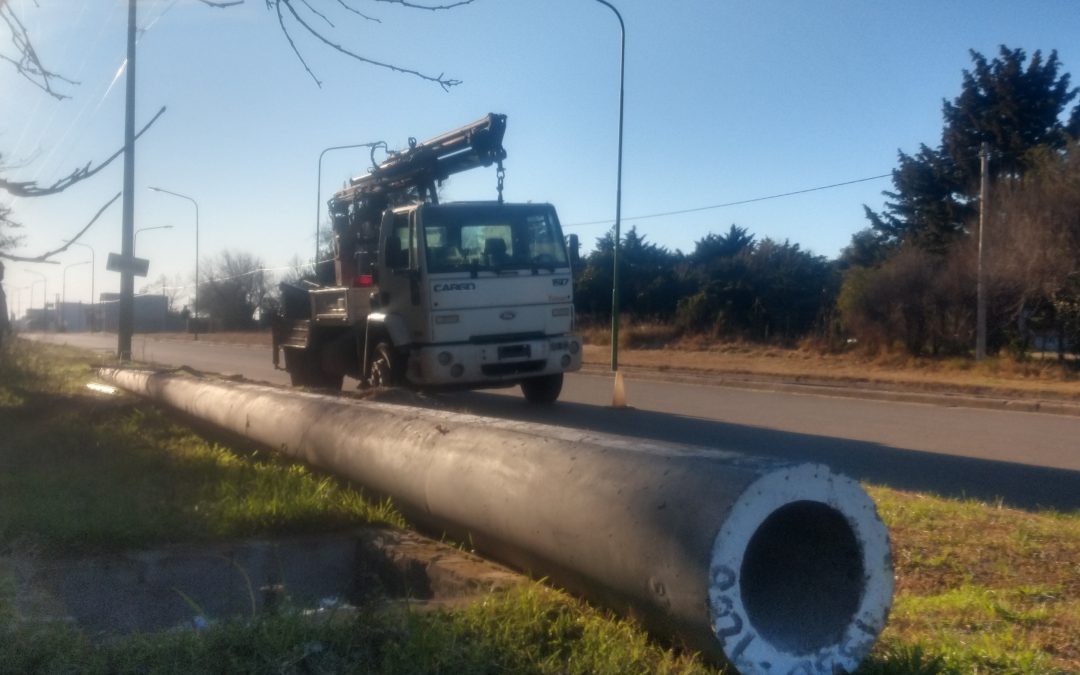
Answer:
(801, 575)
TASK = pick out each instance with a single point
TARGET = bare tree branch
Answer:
(317, 13)
(358, 12)
(433, 8)
(28, 63)
(221, 5)
(44, 257)
(31, 188)
(288, 36)
(441, 79)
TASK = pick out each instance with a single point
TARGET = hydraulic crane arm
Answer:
(423, 165)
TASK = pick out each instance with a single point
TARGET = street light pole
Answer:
(318, 190)
(618, 203)
(93, 272)
(195, 314)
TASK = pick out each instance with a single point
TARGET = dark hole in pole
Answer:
(802, 577)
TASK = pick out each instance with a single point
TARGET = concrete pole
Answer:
(773, 567)
(126, 327)
(980, 283)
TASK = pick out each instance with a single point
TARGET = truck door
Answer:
(399, 272)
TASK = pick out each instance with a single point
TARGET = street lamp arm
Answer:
(622, 26)
(318, 186)
(135, 237)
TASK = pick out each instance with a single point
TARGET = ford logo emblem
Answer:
(507, 315)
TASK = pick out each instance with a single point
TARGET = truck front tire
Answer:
(543, 390)
(385, 369)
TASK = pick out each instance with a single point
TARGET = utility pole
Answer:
(126, 317)
(980, 285)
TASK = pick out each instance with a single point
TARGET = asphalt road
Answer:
(1024, 459)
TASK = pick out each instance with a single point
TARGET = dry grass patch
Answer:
(992, 588)
(998, 375)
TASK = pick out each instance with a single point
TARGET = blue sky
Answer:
(725, 101)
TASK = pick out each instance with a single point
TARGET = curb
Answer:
(845, 390)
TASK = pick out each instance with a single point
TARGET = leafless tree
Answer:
(171, 287)
(1033, 240)
(319, 24)
(7, 240)
(32, 189)
(24, 57)
(318, 20)
(234, 286)
(925, 302)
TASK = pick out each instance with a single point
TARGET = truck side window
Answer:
(397, 243)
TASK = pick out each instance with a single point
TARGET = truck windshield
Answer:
(491, 237)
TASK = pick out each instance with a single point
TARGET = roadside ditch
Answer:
(188, 586)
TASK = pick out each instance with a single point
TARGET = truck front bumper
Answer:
(493, 363)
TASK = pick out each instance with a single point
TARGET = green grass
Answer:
(980, 588)
(84, 472)
(985, 589)
(529, 630)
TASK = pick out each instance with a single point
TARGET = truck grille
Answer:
(517, 368)
(515, 352)
(506, 337)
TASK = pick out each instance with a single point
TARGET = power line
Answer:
(741, 201)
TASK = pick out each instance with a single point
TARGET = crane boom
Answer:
(423, 165)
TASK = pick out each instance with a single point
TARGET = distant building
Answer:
(71, 317)
(151, 313)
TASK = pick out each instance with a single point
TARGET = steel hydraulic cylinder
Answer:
(772, 567)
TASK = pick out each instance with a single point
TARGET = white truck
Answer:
(458, 295)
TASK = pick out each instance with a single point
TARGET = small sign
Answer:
(137, 266)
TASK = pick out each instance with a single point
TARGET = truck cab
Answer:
(484, 292)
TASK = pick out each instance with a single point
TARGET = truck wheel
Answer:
(543, 390)
(305, 370)
(385, 369)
